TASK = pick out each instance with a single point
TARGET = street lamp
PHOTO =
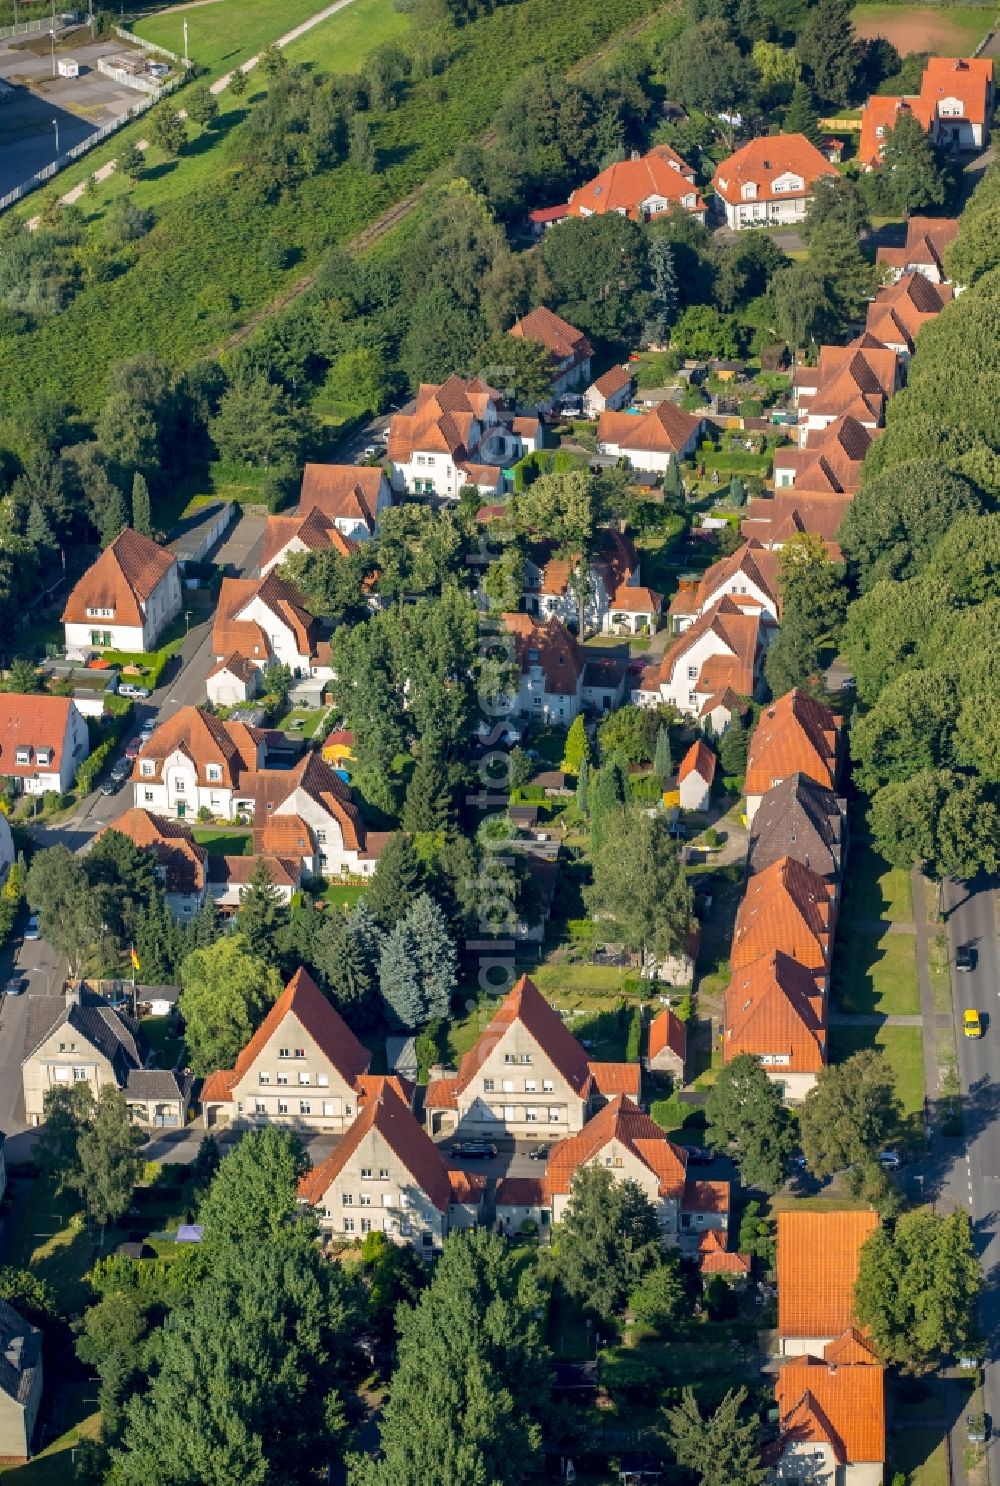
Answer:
(187, 60)
(52, 37)
(55, 125)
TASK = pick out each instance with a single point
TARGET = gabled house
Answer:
(642, 187)
(314, 532)
(749, 577)
(458, 433)
(303, 1069)
(181, 864)
(954, 108)
(649, 441)
(790, 909)
(847, 380)
(667, 1044)
(774, 1012)
(715, 1258)
(266, 621)
(628, 1143)
(84, 1040)
(900, 310)
(695, 776)
(194, 761)
(126, 599)
(831, 462)
(722, 650)
(307, 813)
(352, 496)
(611, 572)
(794, 735)
(610, 393)
(526, 1076)
(634, 610)
(550, 668)
(832, 1420)
(817, 1260)
(803, 820)
(21, 1383)
(923, 252)
(387, 1176)
(233, 680)
(769, 180)
(569, 349)
(43, 741)
(774, 521)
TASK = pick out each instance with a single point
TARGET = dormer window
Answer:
(147, 768)
(23, 755)
(749, 191)
(214, 773)
(44, 756)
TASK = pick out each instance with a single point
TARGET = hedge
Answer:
(92, 767)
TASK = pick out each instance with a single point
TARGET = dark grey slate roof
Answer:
(20, 1353)
(798, 818)
(114, 1035)
(156, 1083)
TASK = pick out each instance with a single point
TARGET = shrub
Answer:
(634, 1041)
(711, 838)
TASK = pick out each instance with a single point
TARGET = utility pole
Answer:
(52, 37)
(187, 59)
(55, 125)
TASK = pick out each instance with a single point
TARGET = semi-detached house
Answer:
(899, 312)
(830, 464)
(954, 107)
(787, 908)
(924, 249)
(126, 599)
(626, 1141)
(526, 1076)
(569, 349)
(352, 496)
(802, 820)
(722, 651)
(314, 532)
(43, 741)
(387, 1176)
(854, 381)
(769, 180)
(456, 434)
(194, 761)
(650, 441)
(749, 577)
(775, 1012)
(796, 734)
(265, 620)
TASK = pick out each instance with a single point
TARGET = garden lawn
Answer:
(948, 30)
(921, 1455)
(904, 1051)
(218, 841)
(164, 1040)
(222, 35)
(876, 974)
(39, 1237)
(303, 721)
(77, 1404)
(344, 894)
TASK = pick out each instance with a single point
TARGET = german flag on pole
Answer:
(135, 958)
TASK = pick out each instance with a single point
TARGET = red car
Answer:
(132, 749)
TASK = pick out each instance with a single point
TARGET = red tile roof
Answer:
(345, 491)
(775, 521)
(205, 739)
(549, 645)
(849, 1349)
(715, 1258)
(705, 1197)
(900, 310)
(665, 429)
(181, 859)
(35, 721)
(444, 419)
(562, 340)
(967, 79)
(772, 1010)
(817, 1264)
(795, 735)
(667, 1031)
(699, 760)
(785, 907)
(441, 1094)
(630, 599)
(315, 530)
(617, 1078)
(122, 579)
(627, 185)
(623, 1121)
(525, 1004)
(613, 381)
(467, 1187)
(395, 1124)
(763, 161)
(735, 663)
(520, 1191)
(926, 240)
(843, 1407)
(231, 631)
(831, 461)
(237, 665)
(303, 999)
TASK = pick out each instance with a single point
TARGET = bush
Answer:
(711, 838)
(633, 1043)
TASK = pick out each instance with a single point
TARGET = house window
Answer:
(692, 698)
(508, 1086)
(383, 1173)
(529, 1085)
(263, 1078)
(531, 1115)
(323, 1079)
(282, 1106)
(348, 1225)
(366, 1225)
(555, 1115)
(283, 1079)
(23, 755)
(179, 786)
(366, 1199)
(260, 1107)
(489, 1085)
(321, 837)
(148, 796)
(692, 673)
(147, 767)
(366, 1172)
(214, 773)
(387, 1199)
(60, 1075)
(304, 1077)
(548, 1087)
(79, 1075)
(348, 1199)
(282, 1052)
(305, 1107)
(300, 1052)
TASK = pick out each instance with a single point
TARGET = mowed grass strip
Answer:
(222, 35)
(873, 973)
(904, 1051)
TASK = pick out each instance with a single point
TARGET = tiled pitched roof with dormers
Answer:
(773, 522)
(121, 579)
(831, 462)
(442, 420)
(900, 310)
(763, 161)
(794, 735)
(739, 643)
(773, 1011)
(785, 907)
(843, 1407)
(178, 856)
(204, 739)
(562, 340)
(751, 563)
(623, 1121)
(926, 240)
(324, 786)
(802, 819)
(665, 429)
(550, 646)
(303, 999)
(626, 185)
(392, 1122)
(526, 1004)
(34, 721)
(348, 492)
(817, 1260)
(849, 381)
(282, 599)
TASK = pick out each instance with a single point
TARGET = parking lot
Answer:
(78, 105)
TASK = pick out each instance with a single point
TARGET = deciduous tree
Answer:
(225, 995)
(607, 1241)
(849, 1114)
(746, 1116)
(639, 883)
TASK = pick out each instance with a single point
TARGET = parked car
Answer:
(33, 931)
(474, 1150)
(977, 1428)
(965, 957)
(538, 1153)
(132, 748)
(372, 451)
(148, 729)
(889, 1160)
(112, 784)
(698, 1155)
(130, 689)
(16, 986)
(972, 1024)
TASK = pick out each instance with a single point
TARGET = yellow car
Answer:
(972, 1024)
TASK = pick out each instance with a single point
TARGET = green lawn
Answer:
(77, 1405)
(874, 890)
(304, 722)
(164, 1039)
(873, 973)
(39, 1237)
(921, 1455)
(344, 894)
(904, 1049)
(341, 43)
(222, 35)
(220, 841)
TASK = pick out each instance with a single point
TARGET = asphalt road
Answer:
(972, 1178)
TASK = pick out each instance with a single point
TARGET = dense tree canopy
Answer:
(746, 1116)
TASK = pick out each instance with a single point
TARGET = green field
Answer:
(948, 30)
(218, 841)
(904, 1050)
(341, 43)
(222, 35)
(876, 974)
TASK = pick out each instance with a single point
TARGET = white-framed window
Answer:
(383, 1173)
(263, 1078)
(366, 1199)
(489, 1085)
(148, 796)
(548, 1087)
(213, 773)
(348, 1199)
(179, 785)
(387, 1199)
(260, 1107)
(531, 1115)
(348, 1225)
(79, 1075)
(60, 1075)
(366, 1225)
(282, 1106)
(283, 1052)
(283, 1078)
(304, 1076)
(323, 1079)
(366, 1173)
(23, 755)
(299, 1052)
(508, 1086)
(328, 1108)
(147, 767)
(555, 1115)
(305, 1107)
(530, 1085)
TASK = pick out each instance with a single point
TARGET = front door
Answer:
(181, 809)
